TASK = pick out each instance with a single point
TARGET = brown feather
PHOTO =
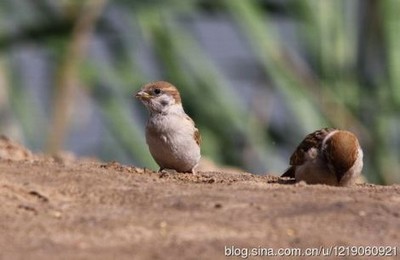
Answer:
(341, 152)
(290, 172)
(313, 140)
(164, 86)
(197, 136)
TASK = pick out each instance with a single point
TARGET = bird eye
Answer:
(157, 91)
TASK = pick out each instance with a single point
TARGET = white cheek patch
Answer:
(312, 153)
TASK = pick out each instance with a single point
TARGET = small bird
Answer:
(172, 137)
(327, 156)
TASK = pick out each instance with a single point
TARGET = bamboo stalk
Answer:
(69, 72)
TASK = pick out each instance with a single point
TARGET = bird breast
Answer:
(171, 141)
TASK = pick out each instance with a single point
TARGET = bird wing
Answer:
(196, 134)
(313, 140)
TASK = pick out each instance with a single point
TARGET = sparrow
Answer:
(327, 156)
(171, 135)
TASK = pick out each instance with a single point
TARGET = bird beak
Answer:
(143, 95)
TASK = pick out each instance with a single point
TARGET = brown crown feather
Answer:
(341, 152)
(164, 86)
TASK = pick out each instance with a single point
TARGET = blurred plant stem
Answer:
(281, 70)
(69, 71)
(302, 89)
(8, 125)
(391, 9)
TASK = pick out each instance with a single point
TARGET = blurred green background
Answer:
(256, 76)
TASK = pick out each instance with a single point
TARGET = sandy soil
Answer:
(63, 208)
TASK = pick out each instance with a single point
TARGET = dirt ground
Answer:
(63, 208)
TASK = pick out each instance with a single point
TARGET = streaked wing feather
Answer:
(313, 140)
(196, 135)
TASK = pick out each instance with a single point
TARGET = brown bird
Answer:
(171, 135)
(327, 156)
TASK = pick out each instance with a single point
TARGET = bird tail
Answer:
(289, 172)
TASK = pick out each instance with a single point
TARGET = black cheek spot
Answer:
(164, 103)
